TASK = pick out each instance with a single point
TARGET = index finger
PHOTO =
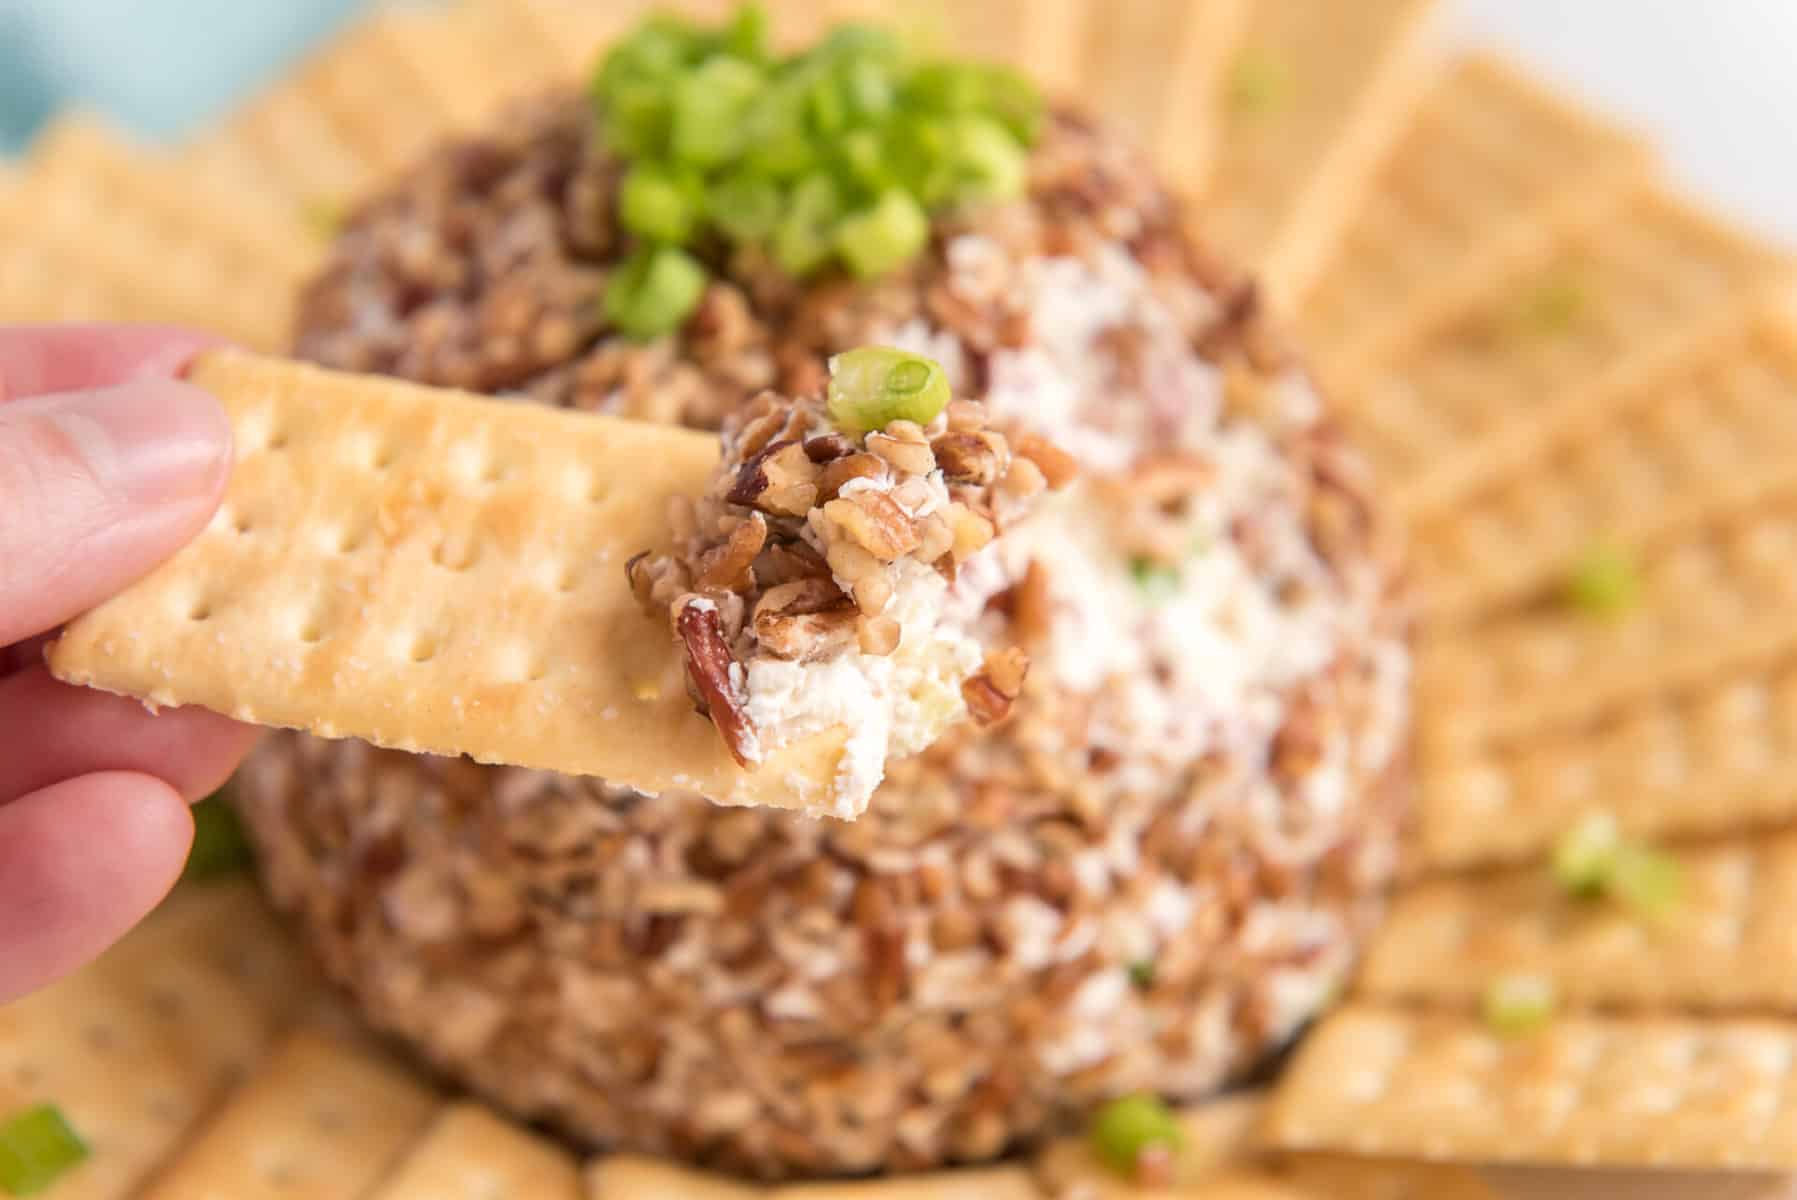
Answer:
(37, 360)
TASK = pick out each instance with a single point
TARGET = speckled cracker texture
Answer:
(432, 572)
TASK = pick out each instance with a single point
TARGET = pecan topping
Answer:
(876, 523)
(968, 457)
(989, 694)
(726, 568)
(780, 480)
(716, 676)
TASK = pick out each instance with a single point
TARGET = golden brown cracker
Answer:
(1709, 437)
(471, 1154)
(635, 1177)
(967, 1183)
(1311, 102)
(318, 1121)
(1492, 166)
(1584, 1090)
(1717, 759)
(1726, 943)
(1474, 390)
(433, 572)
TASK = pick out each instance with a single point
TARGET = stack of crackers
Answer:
(1542, 349)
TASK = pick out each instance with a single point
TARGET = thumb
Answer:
(96, 488)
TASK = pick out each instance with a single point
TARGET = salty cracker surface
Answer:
(438, 573)
(1492, 166)
(1728, 943)
(471, 1154)
(1585, 1091)
(1716, 759)
(637, 1177)
(319, 1121)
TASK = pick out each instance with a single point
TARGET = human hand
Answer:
(108, 465)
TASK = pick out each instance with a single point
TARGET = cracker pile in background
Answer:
(1548, 357)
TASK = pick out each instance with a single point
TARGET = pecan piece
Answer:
(725, 568)
(1057, 466)
(806, 620)
(968, 457)
(875, 522)
(716, 676)
(990, 693)
(780, 480)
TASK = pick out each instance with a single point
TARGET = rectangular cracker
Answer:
(318, 1121)
(1474, 392)
(36, 282)
(136, 1048)
(1712, 435)
(1717, 759)
(1286, 176)
(1584, 1091)
(437, 573)
(966, 1183)
(1713, 601)
(1727, 945)
(473, 56)
(471, 1154)
(636, 1177)
(1492, 166)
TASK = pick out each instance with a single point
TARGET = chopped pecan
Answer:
(828, 447)
(716, 676)
(836, 474)
(969, 457)
(913, 457)
(805, 620)
(780, 480)
(878, 635)
(783, 562)
(1057, 466)
(876, 523)
(990, 693)
(727, 567)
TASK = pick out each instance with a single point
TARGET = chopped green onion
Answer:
(1585, 856)
(1604, 582)
(709, 106)
(219, 845)
(802, 240)
(1259, 84)
(1554, 306)
(37, 1147)
(1518, 1004)
(1157, 581)
(653, 292)
(1646, 881)
(658, 204)
(1141, 973)
(325, 218)
(1129, 1126)
(745, 207)
(746, 36)
(873, 386)
(876, 240)
(990, 163)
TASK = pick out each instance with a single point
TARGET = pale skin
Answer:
(108, 465)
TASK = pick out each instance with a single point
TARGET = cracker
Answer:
(437, 573)
(1712, 602)
(475, 55)
(1479, 386)
(367, 89)
(967, 1183)
(1728, 943)
(634, 1177)
(36, 283)
(1711, 436)
(283, 139)
(1491, 168)
(1714, 760)
(471, 1154)
(1586, 1091)
(136, 1048)
(1313, 100)
(317, 1121)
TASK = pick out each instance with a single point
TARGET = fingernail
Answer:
(149, 443)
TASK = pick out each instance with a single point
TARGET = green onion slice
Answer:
(1126, 1127)
(1157, 581)
(1518, 1004)
(37, 1147)
(880, 238)
(219, 845)
(1554, 306)
(873, 386)
(659, 204)
(1141, 973)
(653, 292)
(1649, 882)
(1605, 581)
(1260, 84)
(1585, 856)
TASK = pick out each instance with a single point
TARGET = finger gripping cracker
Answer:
(432, 572)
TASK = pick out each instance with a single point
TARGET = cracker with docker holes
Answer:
(1715, 601)
(439, 573)
(471, 1154)
(1716, 759)
(1709, 437)
(318, 1121)
(1581, 1091)
(1492, 167)
(1475, 388)
(1726, 943)
(1311, 102)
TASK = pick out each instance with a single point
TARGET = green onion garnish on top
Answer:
(1518, 1004)
(219, 845)
(1158, 582)
(1592, 861)
(1605, 581)
(37, 1147)
(1259, 84)
(873, 386)
(833, 157)
(1585, 856)
(1130, 1126)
